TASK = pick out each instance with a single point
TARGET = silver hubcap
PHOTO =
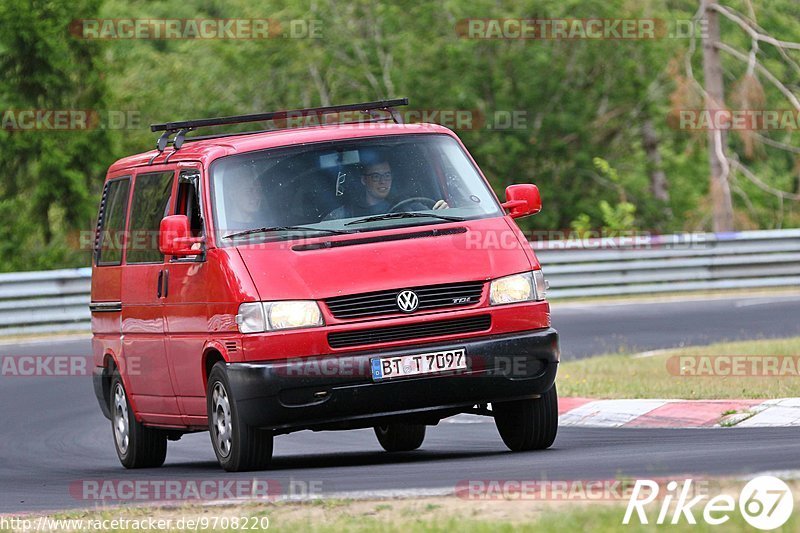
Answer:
(121, 418)
(221, 419)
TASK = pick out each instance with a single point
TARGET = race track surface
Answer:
(53, 436)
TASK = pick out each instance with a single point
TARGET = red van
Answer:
(325, 277)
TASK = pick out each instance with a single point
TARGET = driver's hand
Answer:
(441, 204)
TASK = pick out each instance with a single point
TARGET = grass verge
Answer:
(445, 513)
(668, 374)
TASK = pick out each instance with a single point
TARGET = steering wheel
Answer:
(421, 199)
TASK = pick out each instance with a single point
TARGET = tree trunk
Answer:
(721, 203)
(658, 179)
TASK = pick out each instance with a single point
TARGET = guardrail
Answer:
(671, 263)
(57, 300)
(44, 302)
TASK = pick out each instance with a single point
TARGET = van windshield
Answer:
(346, 186)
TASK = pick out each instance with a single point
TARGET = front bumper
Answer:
(337, 392)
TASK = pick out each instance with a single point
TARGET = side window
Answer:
(151, 195)
(189, 204)
(111, 222)
(189, 200)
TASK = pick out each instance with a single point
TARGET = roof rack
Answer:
(181, 128)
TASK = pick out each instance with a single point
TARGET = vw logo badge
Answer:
(408, 301)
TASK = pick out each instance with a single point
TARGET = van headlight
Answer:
(524, 287)
(256, 317)
(293, 314)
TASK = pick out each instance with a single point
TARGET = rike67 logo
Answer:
(765, 503)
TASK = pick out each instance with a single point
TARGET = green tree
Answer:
(48, 179)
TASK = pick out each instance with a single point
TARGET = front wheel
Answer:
(137, 446)
(400, 437)
(238, 446)
(529, 424)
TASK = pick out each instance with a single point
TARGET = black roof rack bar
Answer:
(262, 117)
(253, 132)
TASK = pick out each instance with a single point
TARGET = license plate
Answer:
(416, 365)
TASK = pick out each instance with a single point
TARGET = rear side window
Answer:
(111, 222)
(151, 200)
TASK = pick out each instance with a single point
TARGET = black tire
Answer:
(528, 424)
(249, 448)
(137, 446)
(400, 437)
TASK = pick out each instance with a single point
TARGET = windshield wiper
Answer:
(286, 228)
(404, 214)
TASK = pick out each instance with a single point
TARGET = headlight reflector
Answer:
(257, 317)
(524, 287)
(293, 314)
(511, 289)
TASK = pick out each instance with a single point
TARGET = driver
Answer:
(376, 177)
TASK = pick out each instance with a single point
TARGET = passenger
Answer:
(245, 200)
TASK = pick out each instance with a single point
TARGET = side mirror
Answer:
(522, 200)
(174, 236)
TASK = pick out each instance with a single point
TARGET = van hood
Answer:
(416, 256)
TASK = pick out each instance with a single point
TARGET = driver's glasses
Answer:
(376, 177)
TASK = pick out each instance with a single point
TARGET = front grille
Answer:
(409, 331)
(385, 302)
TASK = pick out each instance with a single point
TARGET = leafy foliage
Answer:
(584, 103)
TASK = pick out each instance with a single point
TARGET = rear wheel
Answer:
(238, 446)
(137, 446)
(400, 437)
(529, 424)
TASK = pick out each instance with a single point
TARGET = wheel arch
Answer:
(212, 354)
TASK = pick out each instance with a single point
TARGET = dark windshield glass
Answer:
(325, 186)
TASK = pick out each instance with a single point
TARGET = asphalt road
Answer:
(595, 328)
(53, 437)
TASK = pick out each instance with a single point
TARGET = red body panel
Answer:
(281, 273)
(200, 309)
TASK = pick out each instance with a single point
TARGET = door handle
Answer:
(166, 283)
(160, 281)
